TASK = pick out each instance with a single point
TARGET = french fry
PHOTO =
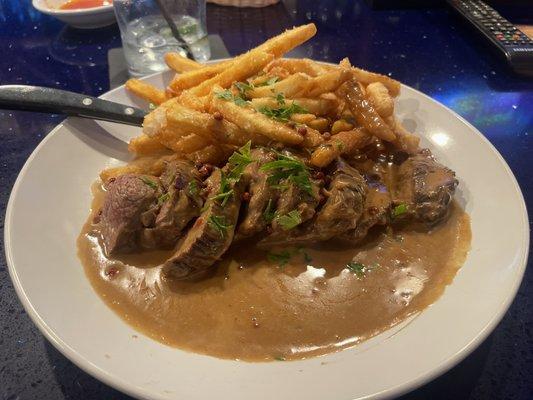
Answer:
(174, 121)
(250, 64)
(303, 118)
(295, 65)
(379, 95)
(210, 154)
(254, 122)
(146, 91)
(151, 165)
(179, 63)
(318, 107)
(342, 143)
(320, 124)
(291, 87)
(366, 78)
(312, 138)
(364, 113)
(277, 46)
(145, 145)
(328, 82)
(192, 101)
(190, 143)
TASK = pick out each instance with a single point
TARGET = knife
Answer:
(48, 100)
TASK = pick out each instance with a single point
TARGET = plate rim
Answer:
(139, 392)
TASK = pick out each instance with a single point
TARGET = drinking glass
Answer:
(147, 35)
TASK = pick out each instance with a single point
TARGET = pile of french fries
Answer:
(207, 111)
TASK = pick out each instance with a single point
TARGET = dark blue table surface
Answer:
(430, 50)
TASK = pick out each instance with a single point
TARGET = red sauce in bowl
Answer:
(77, 4)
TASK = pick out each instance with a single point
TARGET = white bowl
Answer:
(50, 202)
(84, 18)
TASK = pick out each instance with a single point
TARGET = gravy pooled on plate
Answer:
(287, 303)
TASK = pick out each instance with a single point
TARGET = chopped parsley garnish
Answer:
(280, 358)
(280, 99)
(225, 95)
(290, 220)
(219, 224)
(289, 169)
(269, 214)
(340, 145)
(357, 268)
(149, 182)
(161, 199)
(225, 192)
(223, 197)
(280, 258)
(269, 81)
(282, 113)
(307, 257)
(238, 162)
(192, 188)
(243, 87)
(399, 210)
(229, 96)
(152, 106)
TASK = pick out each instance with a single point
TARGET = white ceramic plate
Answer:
(84, 18)
(50, 202)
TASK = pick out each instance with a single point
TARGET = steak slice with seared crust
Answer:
(128, 199)
(261, 194)
(376, 211)
(425, 187)
(177, 207)
(339, 214)
(210, 236)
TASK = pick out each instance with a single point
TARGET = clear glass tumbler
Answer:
(147, 36)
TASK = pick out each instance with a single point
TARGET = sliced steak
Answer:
(376, 211)
(425, 187)
(209, 237)
(130, 197)
(291, 198)
(261, 194)
(176, 208)
(339, 214)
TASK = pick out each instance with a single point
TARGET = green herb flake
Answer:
(288, 169)
(225, 95)
(280, 98)
(225, 191)
(149, 182)
(269, 214)
(307, 258)
(219, 224)
(243, 88)
(281, 258)
(229, 96)
(164, 197)
(152, 106)
(280, 358)
(290, 220)
(357, 268)
(238, 162)
(340, 145)
(192, 188)
(282, 113)
(399, 210)
(270, 81)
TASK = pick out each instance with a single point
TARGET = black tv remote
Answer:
(511, 42)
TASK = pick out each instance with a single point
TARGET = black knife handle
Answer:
(42, 99)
